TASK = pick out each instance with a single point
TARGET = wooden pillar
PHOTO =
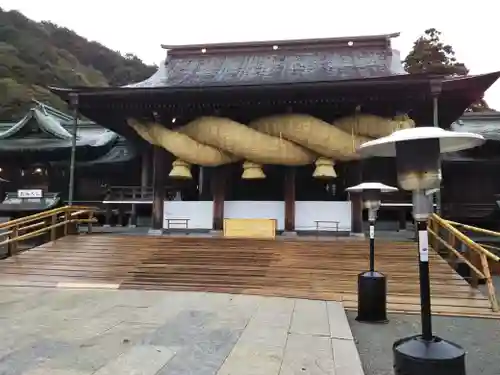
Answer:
(121, 210)
(133, 209)
(145, 172)
(109, 210)
(356, 199)
(159, 172)
(218, 194)
(289, 192)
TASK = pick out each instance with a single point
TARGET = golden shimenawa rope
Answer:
(287, 139)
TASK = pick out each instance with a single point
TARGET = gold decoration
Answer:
(181, 170)
(252, 171)
(324, 169)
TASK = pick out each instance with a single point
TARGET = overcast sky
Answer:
(472, 28)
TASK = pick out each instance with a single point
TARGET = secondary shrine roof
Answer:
(485, 123)
(47, 129)
(44, 127)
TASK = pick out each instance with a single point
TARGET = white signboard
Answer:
(30, 193)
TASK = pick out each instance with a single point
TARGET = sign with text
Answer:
(29, 193)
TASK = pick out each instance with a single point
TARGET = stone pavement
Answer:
(101, 332)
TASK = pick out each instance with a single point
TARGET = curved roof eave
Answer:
(402, 79)
(466, 90)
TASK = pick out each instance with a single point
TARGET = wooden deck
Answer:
(289, 267)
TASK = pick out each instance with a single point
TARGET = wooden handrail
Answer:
(456, 253)
(464, 238)
(42, 215)
(474, 229)
(482, 270)
(45, 222)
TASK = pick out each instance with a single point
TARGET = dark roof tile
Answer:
(318, 62)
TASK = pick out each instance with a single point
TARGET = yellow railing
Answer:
(56, 223)
(445, 235)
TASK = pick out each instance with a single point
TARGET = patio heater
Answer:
(417, 153)
(372, 285)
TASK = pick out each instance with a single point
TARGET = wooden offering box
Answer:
(250, 228)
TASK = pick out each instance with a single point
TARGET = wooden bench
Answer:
(177, 222)
(329, 224)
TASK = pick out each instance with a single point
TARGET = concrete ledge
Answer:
(155, 232)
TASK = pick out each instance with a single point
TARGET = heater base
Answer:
(372, 298)
(416, 356)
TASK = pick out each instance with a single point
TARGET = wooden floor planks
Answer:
(292, 267)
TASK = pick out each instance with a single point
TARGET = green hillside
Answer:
(36, 55)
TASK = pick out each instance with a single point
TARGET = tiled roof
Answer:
(44, 127)
(485, 123)
(265, 63)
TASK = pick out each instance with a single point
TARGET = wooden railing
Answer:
(444, 236)
(121, 202)
(122, 196)
(53, 224)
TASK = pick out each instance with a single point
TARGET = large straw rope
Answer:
(181, 145)
(312, 133)
(291, 139)
(368, 125)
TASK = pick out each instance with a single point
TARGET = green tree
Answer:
(36, 55)
(430, 55)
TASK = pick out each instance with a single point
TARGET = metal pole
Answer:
(74, 105)
(372, 246)
(372, 286)
(425, 283)
(435, 120)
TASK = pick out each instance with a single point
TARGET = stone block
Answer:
(310, 318)
(346, 357)
(339, 325)
(307, 354)
(139, 360)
